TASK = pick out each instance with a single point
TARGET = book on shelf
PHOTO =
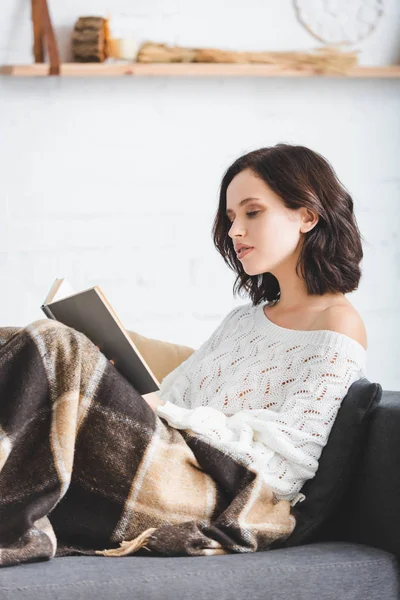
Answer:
(90, 313)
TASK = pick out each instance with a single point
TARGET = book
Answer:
(90, 313)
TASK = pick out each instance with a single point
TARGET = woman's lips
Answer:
(242, 253)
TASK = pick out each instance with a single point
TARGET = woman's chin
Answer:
(252, 271)
(251, 268)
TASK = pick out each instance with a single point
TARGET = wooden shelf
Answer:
(110, 69)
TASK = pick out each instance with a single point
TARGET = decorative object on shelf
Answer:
(123, 43)
(43, 35)
(123, 48)
(339, 21)
(322, 60)
(90, 39)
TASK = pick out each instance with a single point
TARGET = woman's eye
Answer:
(249, 214)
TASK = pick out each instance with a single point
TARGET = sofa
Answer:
(353, 555)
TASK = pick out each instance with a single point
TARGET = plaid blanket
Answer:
(87, 467)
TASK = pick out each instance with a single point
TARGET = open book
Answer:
(90, 313)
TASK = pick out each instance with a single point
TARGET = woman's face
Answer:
(265, 223)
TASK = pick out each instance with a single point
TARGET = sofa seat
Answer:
(319, 571)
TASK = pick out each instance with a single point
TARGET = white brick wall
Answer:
(115, 181)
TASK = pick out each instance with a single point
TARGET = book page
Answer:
(64, 290)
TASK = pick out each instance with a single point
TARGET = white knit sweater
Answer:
(265, 393)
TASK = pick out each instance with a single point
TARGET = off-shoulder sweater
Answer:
(265, 393)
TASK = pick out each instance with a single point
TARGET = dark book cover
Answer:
(90, 313)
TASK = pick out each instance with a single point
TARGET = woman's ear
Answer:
(309, 219)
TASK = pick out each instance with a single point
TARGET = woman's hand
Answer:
(153, 400)
(111, 361)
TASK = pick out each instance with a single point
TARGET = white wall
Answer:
(115, 181)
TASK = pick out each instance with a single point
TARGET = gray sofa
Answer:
(356, 555)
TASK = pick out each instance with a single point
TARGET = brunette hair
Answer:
(331, 251)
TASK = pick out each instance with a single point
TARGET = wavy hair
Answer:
(331, 251)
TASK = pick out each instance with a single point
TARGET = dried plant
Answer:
(329, 59)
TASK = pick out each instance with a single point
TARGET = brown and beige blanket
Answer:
(87, 467)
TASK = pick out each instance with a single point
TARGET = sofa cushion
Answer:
(162, 357)
(337, 465)
(370, 509)
(324, 571)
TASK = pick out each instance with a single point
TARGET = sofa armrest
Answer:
(370, 511)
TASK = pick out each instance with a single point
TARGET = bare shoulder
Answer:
(344, 318)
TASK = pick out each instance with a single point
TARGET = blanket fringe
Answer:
(129, 546)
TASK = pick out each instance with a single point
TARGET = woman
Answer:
(269, 381)
(241, 423)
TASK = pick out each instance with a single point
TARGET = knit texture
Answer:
(265, 392)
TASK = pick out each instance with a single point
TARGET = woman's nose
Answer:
(235, 230)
